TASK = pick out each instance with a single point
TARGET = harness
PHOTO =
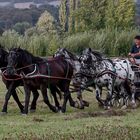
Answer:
(32, 74)
(107, 71)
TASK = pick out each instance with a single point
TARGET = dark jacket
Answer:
(135, 49)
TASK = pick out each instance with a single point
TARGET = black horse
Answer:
(59, 70)
(12, 85)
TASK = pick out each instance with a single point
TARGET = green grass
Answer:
(74, 124)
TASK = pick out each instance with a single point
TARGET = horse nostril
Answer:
(10, 71)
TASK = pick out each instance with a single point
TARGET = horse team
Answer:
(90, 69)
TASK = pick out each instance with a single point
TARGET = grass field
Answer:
(92, 123)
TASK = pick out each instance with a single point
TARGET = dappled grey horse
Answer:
(116, 75)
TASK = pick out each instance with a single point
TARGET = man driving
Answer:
(135, 51)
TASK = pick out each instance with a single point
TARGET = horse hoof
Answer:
(63, 110)
(86, 103)
(81, 107)
(106, 107)
(54, 109)
(59, 108)
(23, 114)
(76, 105)
(134, 106)
(22, 111)
(3, 113)
(60, 111)
(124, 107)
(32, 110)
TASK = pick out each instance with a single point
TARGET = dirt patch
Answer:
(107, 113)
(35, 119)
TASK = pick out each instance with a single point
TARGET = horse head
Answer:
(91, 61)
(18, 58)
(70, 57)
(60, 52)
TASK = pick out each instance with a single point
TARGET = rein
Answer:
(31, 76)
(103, 73)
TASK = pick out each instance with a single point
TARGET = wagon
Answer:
(136, 70)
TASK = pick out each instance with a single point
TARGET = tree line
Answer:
(22, 19)
(106, 25)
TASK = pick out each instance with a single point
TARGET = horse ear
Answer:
(79, 58)
(90, 49)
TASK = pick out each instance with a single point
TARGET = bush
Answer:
(76, 43)
(111, 42)
(37, 44)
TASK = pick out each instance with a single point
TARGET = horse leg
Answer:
(98, 95)
(53, 92)
(83, 103)
(45, 98)
(71, 101)
(109, 96)
(66, 97)
(14, 94)
(79, 96)
(35, 97)
(27, 98)
(58, 92)
(133, 96)
(123, 94)
(133, 100)
(7, 97)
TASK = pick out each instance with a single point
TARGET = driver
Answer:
(135, 51)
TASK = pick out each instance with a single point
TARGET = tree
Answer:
(120, 13)
(91, 14)
(78, 15)
(63, 14)
(21, 27)
(47, 24)
(81, 15)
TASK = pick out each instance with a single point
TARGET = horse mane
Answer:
(97, 54)
(26, 53)
(2, 48)
(54, 58)
(71, 54)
